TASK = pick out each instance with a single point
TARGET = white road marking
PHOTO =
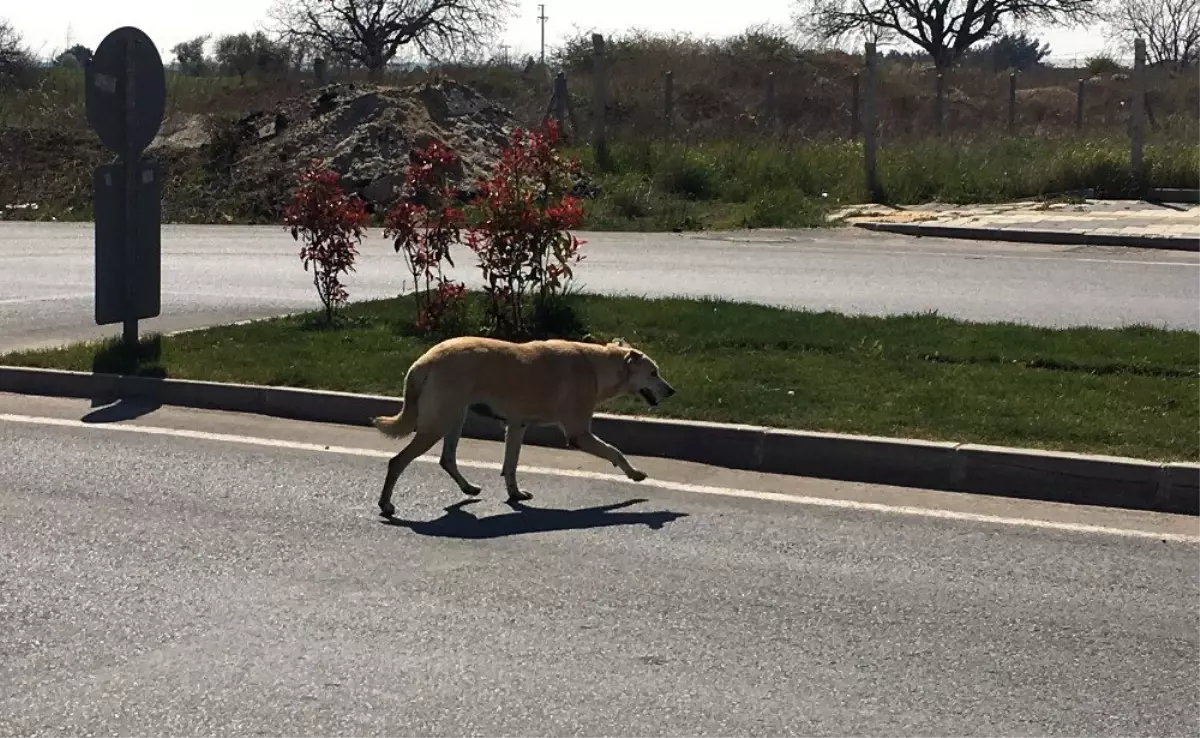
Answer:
(618, 478)
(45, 298)
(983, 256)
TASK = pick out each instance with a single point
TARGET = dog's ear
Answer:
(633, 356)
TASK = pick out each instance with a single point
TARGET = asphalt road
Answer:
(228, 575)
(218, 274)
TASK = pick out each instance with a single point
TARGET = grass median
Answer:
(1130, 392)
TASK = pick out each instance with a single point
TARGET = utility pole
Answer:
(542, 20)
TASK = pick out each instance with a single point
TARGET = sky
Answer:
(49, 26)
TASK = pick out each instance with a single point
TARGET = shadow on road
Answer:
(113, 357)
(459, 523)
(120, 410)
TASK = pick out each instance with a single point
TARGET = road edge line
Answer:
(999, 471)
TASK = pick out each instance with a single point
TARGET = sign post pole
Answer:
(125, 95)
(130, 158)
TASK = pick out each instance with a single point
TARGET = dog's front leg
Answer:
(589, 443)
(514, 436)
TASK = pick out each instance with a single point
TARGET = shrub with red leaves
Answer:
(330, 225)
(522, 240)
(424, 226)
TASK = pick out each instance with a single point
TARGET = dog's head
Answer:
(643, 379)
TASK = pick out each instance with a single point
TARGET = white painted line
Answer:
(617, 478)
(45, 298)
(979, 254)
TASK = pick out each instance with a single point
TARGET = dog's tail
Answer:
(404, 422)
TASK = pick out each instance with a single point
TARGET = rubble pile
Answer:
(364, 132)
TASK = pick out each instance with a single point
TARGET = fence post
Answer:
(669, 100)
(560, 101)
(1012, 102)
(599, 135)
(854, 101)
(869, 137)
(770, 102)
(1079, 106)
(939, 104)
(1139, 109)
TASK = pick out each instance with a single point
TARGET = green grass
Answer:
(1131, 392)
(656, 185)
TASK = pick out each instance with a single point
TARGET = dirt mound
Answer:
(363, 132)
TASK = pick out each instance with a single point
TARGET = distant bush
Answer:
(1101, 64)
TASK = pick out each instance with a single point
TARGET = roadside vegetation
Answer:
(1129, 392)
(723, 159)
(663, 185)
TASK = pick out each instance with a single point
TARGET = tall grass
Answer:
(663, 185)
(57, 99)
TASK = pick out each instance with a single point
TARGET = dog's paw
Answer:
(518, 495)
(387, 509)
(636, 475)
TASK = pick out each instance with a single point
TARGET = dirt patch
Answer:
(366, 133)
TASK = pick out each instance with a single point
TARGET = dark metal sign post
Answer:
(125, 95)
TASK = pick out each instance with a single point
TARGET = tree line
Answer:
(371, 34)
(950, 31)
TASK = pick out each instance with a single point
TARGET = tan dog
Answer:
(540, 382)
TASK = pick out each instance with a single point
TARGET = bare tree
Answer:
(372, 32)
(1170, 28)
(16, 60)
(944, 29)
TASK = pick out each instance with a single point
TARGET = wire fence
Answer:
(701, 95)
(911, 101)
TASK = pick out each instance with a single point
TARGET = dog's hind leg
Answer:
(589, 443)
(514, 436)
(420, 443)
(449, 460)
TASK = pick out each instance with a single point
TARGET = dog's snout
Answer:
(670, 390)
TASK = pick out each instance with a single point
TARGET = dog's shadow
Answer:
(458, 522)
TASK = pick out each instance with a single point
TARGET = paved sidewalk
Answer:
(1090, 222)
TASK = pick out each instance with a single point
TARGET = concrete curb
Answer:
(1058, 238)
(1173, 195)
(1007, 472)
